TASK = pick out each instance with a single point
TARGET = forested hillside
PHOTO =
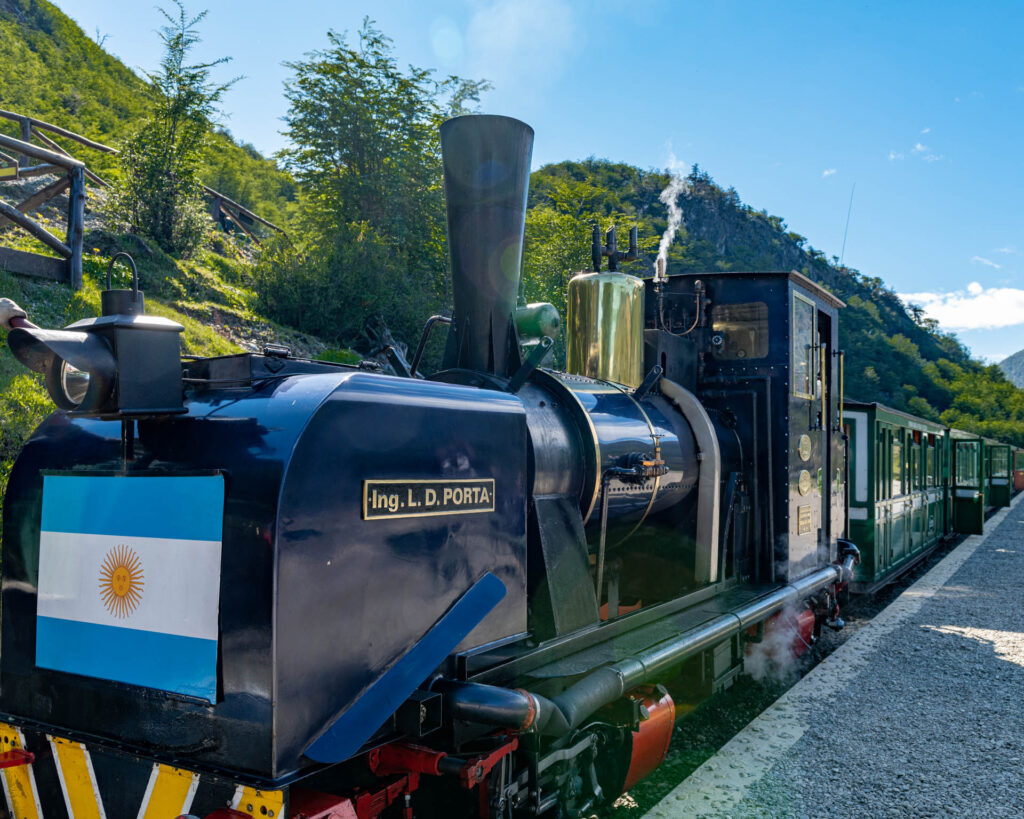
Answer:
(893, 354)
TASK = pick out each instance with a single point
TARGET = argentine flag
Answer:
(129, 579)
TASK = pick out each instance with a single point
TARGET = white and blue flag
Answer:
(129, 579)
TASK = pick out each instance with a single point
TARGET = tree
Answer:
(159, 194)
(367, 158)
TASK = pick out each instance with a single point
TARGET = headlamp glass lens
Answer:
(74, 382)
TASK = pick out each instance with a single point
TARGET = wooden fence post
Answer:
(25, 127)
(76, 225)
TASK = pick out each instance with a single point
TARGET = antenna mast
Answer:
(846, 230)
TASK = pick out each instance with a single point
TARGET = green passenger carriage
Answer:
(898, 504)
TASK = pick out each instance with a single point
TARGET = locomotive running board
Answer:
(690, 621)
(612, 642)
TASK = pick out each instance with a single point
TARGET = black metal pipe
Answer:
(524, 710)
(500, 707)
(608, 683)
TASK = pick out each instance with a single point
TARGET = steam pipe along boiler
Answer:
(257, 585)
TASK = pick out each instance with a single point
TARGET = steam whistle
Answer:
(610, 249)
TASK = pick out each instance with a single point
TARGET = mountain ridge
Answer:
(1013, 367)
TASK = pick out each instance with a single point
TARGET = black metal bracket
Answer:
(397, 362)
(650, 381)
(532, 363)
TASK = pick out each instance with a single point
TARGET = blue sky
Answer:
(920, 104)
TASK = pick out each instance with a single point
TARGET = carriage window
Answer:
(744, 330)
(967, 463)
(803, 347)
(897, 467)
(929, 463)
(1000, 463)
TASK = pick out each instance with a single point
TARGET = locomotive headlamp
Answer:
(122, 363)
(79, 367)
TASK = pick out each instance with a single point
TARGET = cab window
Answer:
(803, 347)
(743, 328)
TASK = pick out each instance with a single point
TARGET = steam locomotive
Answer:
(253, 585)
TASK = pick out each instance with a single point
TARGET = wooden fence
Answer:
(71, 175)
(16, 162)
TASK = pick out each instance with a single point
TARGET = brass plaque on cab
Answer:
(803, 447)
(803, 520)
(383, 500)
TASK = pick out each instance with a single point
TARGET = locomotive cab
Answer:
(764, 361)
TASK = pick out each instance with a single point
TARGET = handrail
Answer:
(46, 126)
(241, 209)
(49, 143)
(58, 156)
(28, 149)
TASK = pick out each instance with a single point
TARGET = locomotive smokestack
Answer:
(486, 178)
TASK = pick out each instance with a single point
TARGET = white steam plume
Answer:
(670, 196)
(774, 658)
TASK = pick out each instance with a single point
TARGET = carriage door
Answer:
(968, 505)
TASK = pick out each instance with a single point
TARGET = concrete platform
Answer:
(921, 713)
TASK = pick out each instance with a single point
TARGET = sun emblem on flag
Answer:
(121, 581)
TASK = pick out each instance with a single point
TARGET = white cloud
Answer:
(828, 172)
(932, 157)
(521, 45)
(926, 130)
(895, 155)
(920, 149)
(976, 308)
(982, 260)
(1008, 249)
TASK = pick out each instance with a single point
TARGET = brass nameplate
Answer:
(803, 520)
(421, 499)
